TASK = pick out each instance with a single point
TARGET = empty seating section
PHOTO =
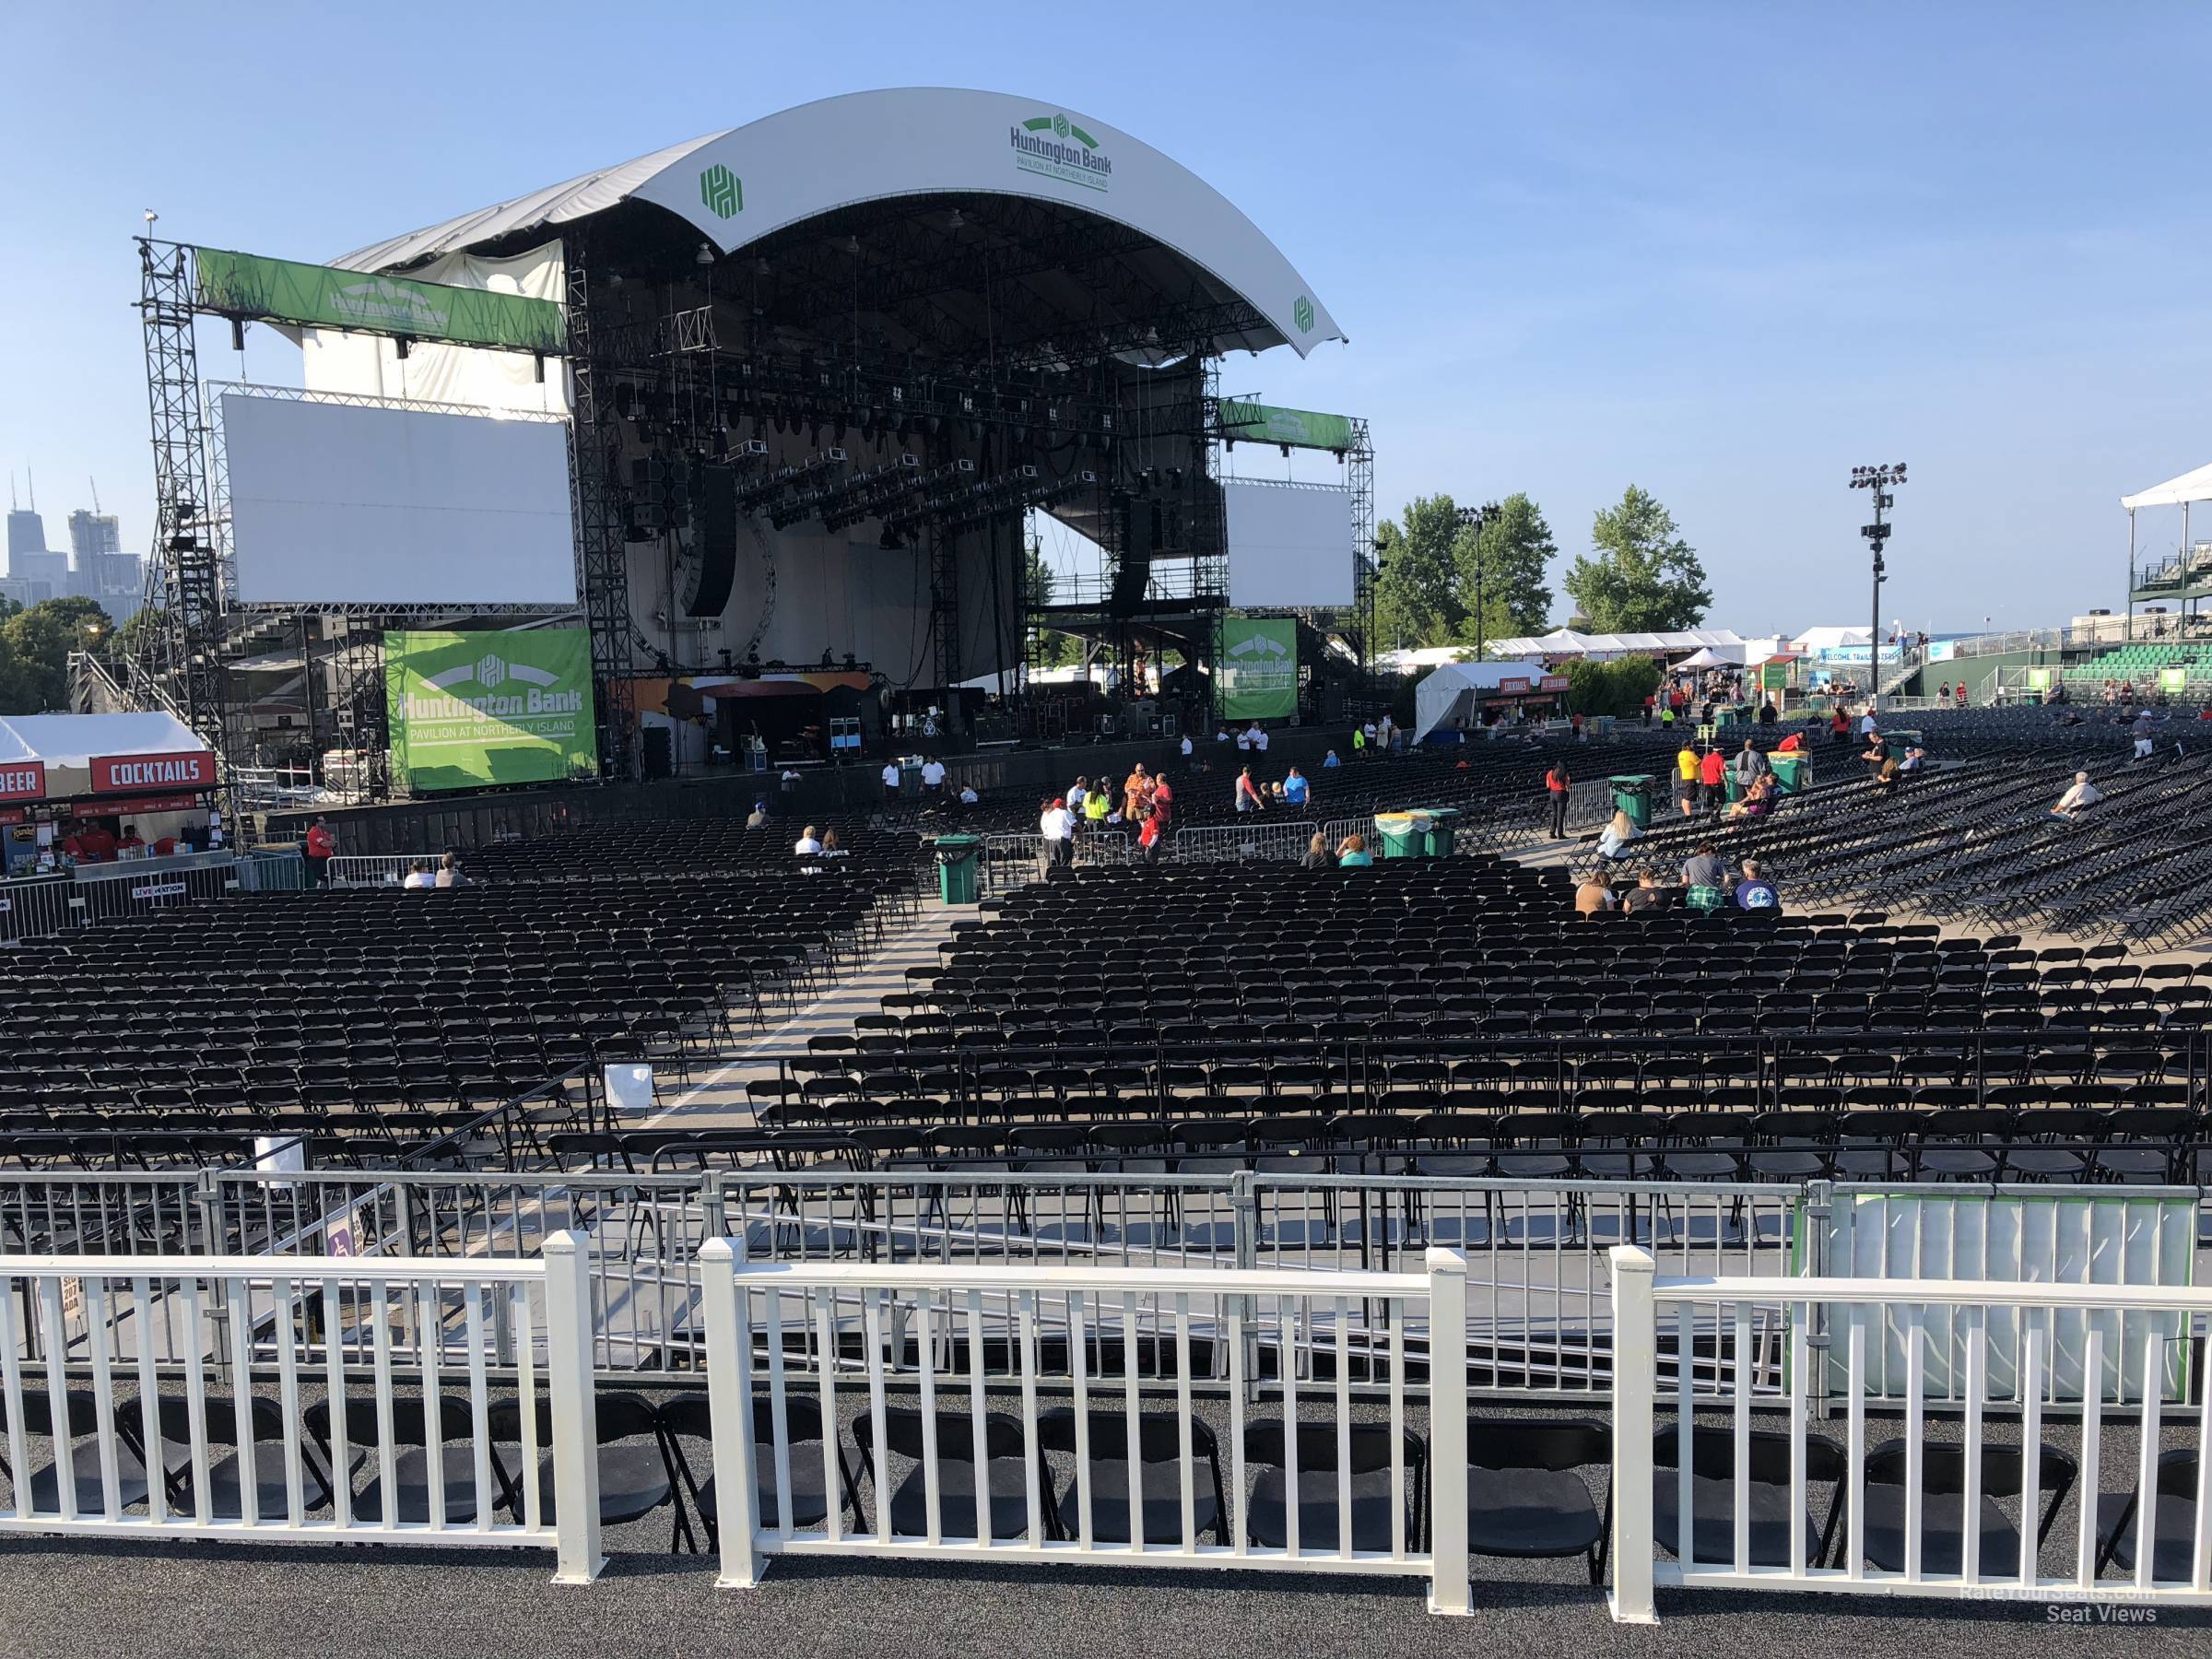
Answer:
(372, 1021)
(2138, 665)
(1455, 1018)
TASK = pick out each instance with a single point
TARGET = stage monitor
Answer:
(1289, 545)
(380, 504)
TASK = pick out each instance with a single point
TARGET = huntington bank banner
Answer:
(472, 709)
(1256, 662)
(287, 291)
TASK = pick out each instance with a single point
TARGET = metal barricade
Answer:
(110, 890)
(35, 907)
(373, 869)
(1255, 839)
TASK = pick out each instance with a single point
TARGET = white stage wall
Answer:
(1289, 545)
(334, 503)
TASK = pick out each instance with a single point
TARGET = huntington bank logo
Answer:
(1054, 147)
(1264, 645)
(531, 694)
(722, 191)
(1302, 314)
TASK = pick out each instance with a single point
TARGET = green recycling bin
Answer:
(1403, 834)
(1895, 744)
(1791, 772)
(1631, 794)
(1442, 822)
(960, 861)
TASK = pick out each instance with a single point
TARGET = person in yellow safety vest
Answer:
(1096, 806)
(1359, 740)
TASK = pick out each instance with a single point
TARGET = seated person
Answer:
(1915, 757)
(1330, 760)
(1317, 854)
(809, 843)
(1759, 800)
(758, 818)
(1887, 774)
(1352, 853)
(1704, 868)
(418, 874)
(1647, 895)
(1618, 834)
(2078, 799)
(1594, 896)
(1755, 892)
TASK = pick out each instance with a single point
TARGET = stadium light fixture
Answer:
(1881, 479)
(705, 255)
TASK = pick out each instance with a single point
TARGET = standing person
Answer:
(1057, 826)
(1838, 724)
(1096, 806)
(1078, 793)
(1713, 774)
(1148, 837)
(1959, 693)
(1686, 778)
(1134, 788)
(1248, 797)
(321, 847)
(1294, 788)
(1650, 698)
(1163, 800)
(1943, 692)
(933, 776)
(1558, 784)
(1259, 737)
(890, 780)
(1751, 765)
(1186, 746)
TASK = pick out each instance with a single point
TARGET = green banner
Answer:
(1256, 662)
(472, 709)
(1300, 428)
(2173, 681)
(282, 290)
(1773, 677)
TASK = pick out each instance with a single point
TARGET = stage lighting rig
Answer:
(1881, 479)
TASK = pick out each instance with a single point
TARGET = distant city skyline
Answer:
(93, 566)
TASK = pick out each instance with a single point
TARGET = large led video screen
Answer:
(344, 504)
(1289, 545)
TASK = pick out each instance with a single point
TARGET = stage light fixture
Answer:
(852, 244)
(705, 255)
(958, 221)
(760, 265)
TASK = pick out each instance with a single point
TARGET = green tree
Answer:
(1417, 596)
(1506, 564)
(1640, 576)
(40, 640)
(1049, 648)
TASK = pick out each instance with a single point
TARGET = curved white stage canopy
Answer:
(741, 185)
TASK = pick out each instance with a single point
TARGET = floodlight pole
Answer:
(1479, 518)
(1882, 480)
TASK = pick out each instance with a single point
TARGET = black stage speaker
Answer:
(713, 541)
(1132, 573)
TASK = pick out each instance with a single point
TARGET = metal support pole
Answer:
(208, 1199)
(730, 1404)
(1820, 1211)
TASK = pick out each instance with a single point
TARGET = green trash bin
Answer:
(1791, 772)
(1631, 794)
(960, 862)
(1442, 824)
(1403, 834)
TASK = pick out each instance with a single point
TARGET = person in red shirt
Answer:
(132, 843)
(1147, 835)
(1792, 745)
(322, 846)
(1557, 784)
(1163, 801)
(1712, 771)
(93, 843)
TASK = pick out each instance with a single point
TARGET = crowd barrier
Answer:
(42, 906)
(1892, 1523)
(217, 1460)
(918, 1335)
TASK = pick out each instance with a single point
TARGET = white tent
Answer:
(1455, 691)
(71, 740)
(1565, 641)
(2176, 492)
(1707, 658)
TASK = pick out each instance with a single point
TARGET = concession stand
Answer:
(100, 814)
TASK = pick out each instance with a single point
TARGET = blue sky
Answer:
(1722, 251)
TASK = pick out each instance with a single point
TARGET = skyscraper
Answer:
(26, 534)
(102, 570)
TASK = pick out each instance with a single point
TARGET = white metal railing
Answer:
(375, 869)
(980, 1484)
(99, 1448)
(1967, 1515)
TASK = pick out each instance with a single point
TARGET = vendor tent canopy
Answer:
(1706, 658)
(1565, 641)
(73, 740)
(2176, 492)
(1455, 691)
